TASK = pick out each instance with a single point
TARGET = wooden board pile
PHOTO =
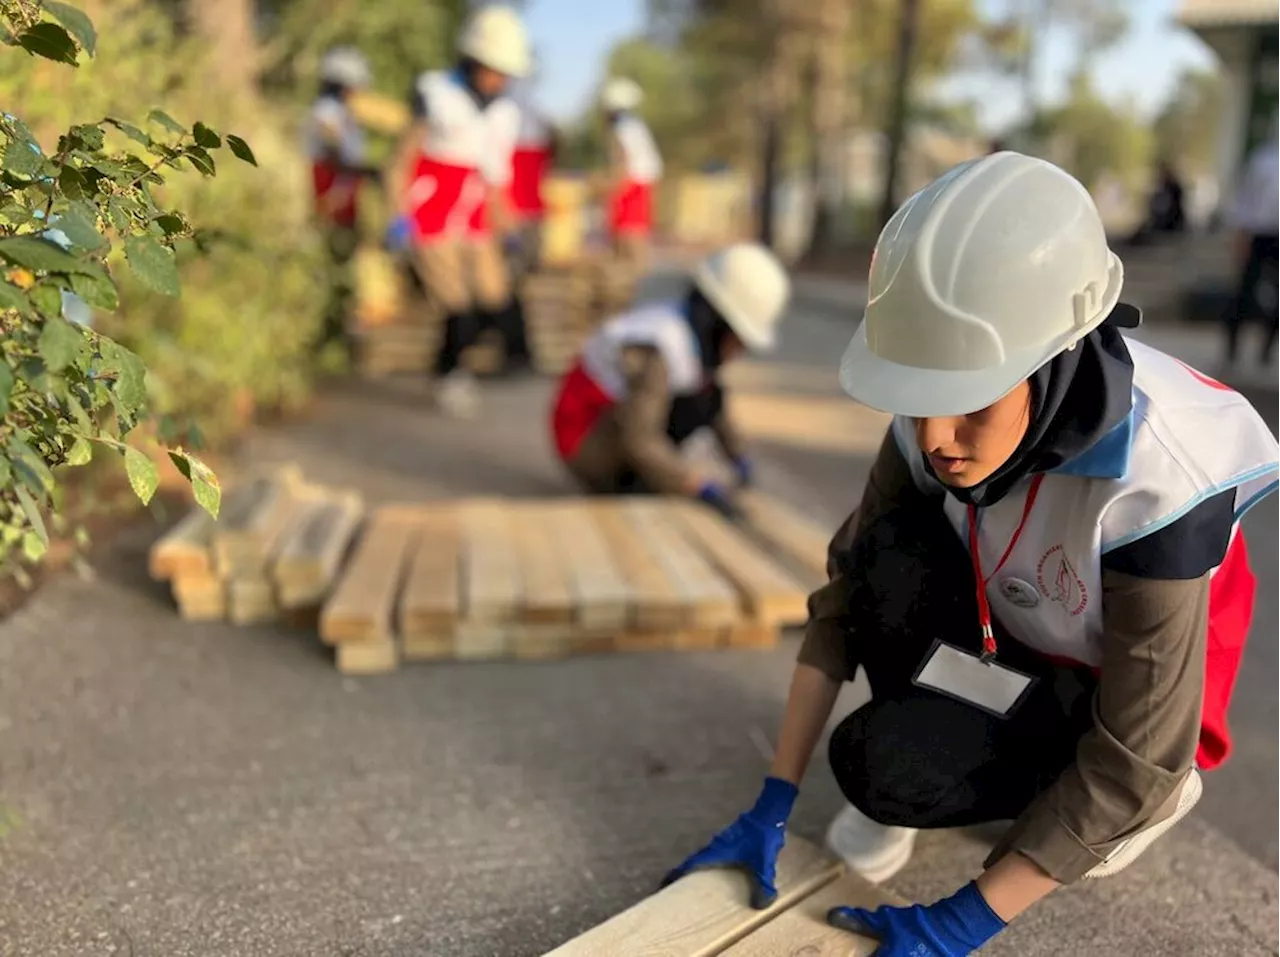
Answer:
(557, 317)
(275, 551)
(482, 578)
(706, 915)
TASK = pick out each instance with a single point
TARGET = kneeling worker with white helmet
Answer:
(1045, 581)
(649, 378)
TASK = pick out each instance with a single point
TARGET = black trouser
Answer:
(460, 332)
(917, 758)
(1259, 268)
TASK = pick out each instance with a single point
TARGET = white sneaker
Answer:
(1128, 851)
(458, 395)
(876, 851)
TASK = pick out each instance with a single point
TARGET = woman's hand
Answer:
(751, 843)
(953, 927)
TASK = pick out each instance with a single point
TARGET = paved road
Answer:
(171, 790)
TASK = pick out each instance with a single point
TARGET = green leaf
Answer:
(75, 185)
(119, 215)
(130, 388)
(129, 130)
(201, 160)
(59, 344)
(21, 160)
(41, 255)
(89, 135)
(77, 224)
(47, 299)
(33, 546)
(97, 291)
(32, 511)
(167, 121)
(81, 451)
(49, 41)
(240, 149)
(11, 297)
(6, 471)
(144, 477)
(76, 22)
(6, 387)
(171, 223)
(204, 484)
(151, 263)
(206, 137)
(32, 469)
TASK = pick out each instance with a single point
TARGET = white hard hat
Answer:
(978, 280)
(495, 37)
(346, 66)
(619, 93)
(747, 285)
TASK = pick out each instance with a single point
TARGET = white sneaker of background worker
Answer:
(451, 183)
(1045, 581)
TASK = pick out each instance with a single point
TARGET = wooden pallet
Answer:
(706, 915)
(557, 317)
(489, 578)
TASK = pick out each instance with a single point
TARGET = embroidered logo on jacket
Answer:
(1059, 582)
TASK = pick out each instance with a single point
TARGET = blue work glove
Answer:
(751, 843)
(743, 468)
(715, 495)
(399, 234)
(953, 927)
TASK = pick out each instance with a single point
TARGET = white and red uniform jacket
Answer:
(465, 157)
(596, 383)
(530, 161)
(335, 144)
(1187, 439)
(631, 205)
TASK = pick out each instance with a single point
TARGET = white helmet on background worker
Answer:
(495, 37)
(620, 94)
(345, 66)
(749, 288)
(978, 280)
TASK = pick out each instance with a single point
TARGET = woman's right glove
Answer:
(751, 843)
(399, 234)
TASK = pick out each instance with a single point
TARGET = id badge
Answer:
(964, 676)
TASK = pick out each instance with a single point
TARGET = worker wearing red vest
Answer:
(454, 172)
(650, 378)
(335, 145)
(635, 167)
(531, 163)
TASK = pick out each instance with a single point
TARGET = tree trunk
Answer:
(779, 94)
(829, 118)
(227, 27)
(901, 100)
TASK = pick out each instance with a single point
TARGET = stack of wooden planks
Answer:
(487, 578)
(706, 915)
(557, 316)
(275, 551)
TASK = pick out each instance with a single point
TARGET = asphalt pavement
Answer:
(170, 789)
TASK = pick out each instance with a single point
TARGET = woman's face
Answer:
(963, 450)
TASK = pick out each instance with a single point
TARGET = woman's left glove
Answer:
(953, 927)
(399, 234)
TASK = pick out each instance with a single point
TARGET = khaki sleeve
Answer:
(1130, 766)
(642, 420)
(726, 432)
(825, 644)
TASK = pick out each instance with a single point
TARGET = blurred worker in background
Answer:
(635, 166)
(1254, 221)
(453, 172)
(531, 162)
(335, 145)
(1166, 208)
(648, 379)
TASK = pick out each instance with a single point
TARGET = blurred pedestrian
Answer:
(635, 167)
(1254, 220)
(336, 147)
(649, 378)
(453, 173)
(531, 163)
(1166, 207)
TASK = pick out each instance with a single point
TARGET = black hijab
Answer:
(709, 328)
(1077, 397)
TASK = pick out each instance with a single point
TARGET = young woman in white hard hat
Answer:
(649, 378)
(335, 145)
(454, 168)
(1045, 581)
(635, 167)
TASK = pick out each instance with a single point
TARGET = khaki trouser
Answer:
(465, 275)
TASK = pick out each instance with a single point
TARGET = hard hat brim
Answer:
(752, 337)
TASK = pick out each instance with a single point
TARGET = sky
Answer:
(573, 37)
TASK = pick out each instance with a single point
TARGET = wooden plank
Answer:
(751, 634)
(430, 603)
(310, 558)
(710, 599)
(186, 549)
(803, 931)
(547, 596)
(802, 541)
(363, 603)
(704, 912)
(367, 657)
(251, 601)
(657, 601)
(769, 594)
(490, 580)
(600, 589)
(246, 532)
